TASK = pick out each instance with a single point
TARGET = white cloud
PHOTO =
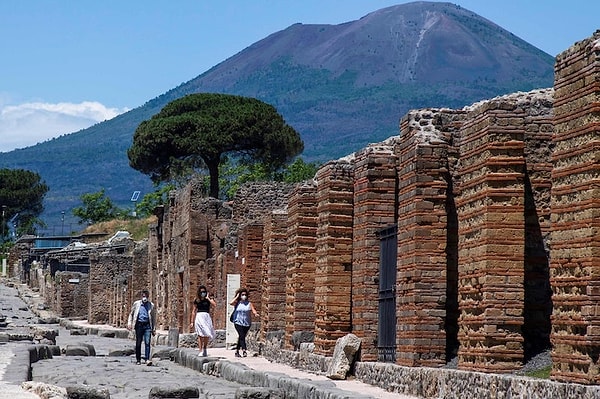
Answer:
(27, 124)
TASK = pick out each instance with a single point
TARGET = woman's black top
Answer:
(202, 305)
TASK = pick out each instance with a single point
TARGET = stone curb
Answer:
(21, 370)
(242, 374)
(20, 366)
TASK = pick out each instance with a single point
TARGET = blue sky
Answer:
(69, 64)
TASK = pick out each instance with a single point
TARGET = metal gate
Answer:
(386, 334)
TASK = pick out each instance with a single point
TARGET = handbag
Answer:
(231, 317)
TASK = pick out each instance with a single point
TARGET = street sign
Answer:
(135, 196)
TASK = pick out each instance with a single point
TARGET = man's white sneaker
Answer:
(149, 363)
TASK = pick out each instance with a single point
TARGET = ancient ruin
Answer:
(472, 235)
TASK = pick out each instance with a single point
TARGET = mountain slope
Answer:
(341, 86)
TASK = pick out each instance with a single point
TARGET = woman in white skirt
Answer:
(201, 320)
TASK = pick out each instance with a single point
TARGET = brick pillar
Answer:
(251, 258)
(274, 266)
(491, 237)
(301, 263)
(333, 305)
(374, 208)
(575, 249)
(422, 239)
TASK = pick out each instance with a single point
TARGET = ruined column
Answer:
(301, 265)
(375, 183)
(333, 276)
(274, 267)
(250, 254)
(575, 246)
(491, 246)
(423, 192)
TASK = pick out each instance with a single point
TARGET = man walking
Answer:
(142, 318)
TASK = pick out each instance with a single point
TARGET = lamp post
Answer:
(3, 221)
(62, 220)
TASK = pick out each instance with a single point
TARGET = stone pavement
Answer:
(220, 375)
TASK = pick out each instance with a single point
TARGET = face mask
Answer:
(244, 297)
(144, 299)
(203, 294)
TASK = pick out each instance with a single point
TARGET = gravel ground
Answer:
(536, 363)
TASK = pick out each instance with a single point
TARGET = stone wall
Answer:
(72, 294)
(191, 247)
(253, 203)
(112, 277)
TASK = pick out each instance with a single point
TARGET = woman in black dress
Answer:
(201, 320)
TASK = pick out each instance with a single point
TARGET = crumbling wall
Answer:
(253, 203)
(113, 269)
(71, 294)
(194, 250)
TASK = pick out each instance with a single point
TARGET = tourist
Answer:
(201, 320)
(242, 319)
(142, 318)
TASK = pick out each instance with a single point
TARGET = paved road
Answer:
(120, 375)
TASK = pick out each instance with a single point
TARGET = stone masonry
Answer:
(333, 274)
(575, 204)
(375, 207)
(491, 212)
(301, 262)
(423, 192)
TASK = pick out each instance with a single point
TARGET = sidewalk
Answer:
(260, 364)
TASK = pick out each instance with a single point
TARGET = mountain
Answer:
(341, 86)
